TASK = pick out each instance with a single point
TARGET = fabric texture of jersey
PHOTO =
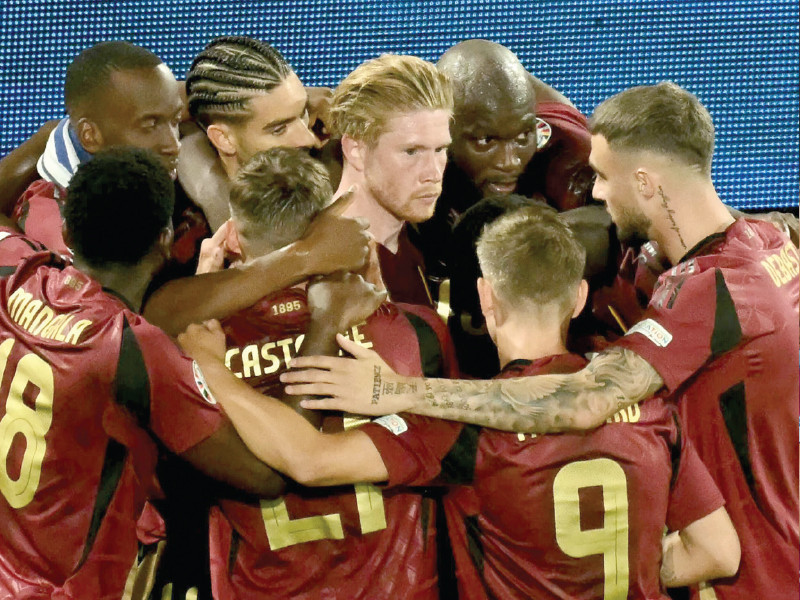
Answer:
(403, 272)
(90, 386)
(722, 331)
(544, 529)
(345, 542)
(14, 247)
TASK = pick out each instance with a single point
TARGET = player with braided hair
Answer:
(246, 99)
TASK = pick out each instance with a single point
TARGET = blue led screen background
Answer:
(740, 57)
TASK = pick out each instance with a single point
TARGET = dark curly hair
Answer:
(117, 205)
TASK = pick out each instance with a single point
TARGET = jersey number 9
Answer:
(612, 539)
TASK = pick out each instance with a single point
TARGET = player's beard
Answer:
(632, 226)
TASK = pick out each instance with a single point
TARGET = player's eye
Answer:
(279, 130)
(482, 143)
(411, 151)
(524, 138)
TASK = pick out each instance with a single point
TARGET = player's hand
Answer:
(213, 251)
(363, 385)
(371, 271)
(343, 300)
(203, 339)
(319, 105)
(336, 243)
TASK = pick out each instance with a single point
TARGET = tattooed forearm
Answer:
(397, 389)
(671, 216)
(376, 384)
(546, 403)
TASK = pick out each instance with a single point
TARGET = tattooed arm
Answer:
(613, 380)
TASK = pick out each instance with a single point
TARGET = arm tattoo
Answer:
(376, 384)
(612, 381)
(671, 215)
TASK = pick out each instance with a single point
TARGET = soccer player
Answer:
(90, 389)
(511, 133)
(393, 115)
(354, 543)
(246, 98)
(116, 94)
(716, 335)
(602, 500)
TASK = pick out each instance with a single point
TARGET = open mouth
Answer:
(502, 187)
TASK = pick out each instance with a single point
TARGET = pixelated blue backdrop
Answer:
(739, 56)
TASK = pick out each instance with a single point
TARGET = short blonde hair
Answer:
(532, 259)
(662, 118)
(384, 87)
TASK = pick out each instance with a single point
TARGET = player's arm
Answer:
(225, 457)
(706, 549)
(18, 167)
(330, 244)
(612, 380)
(272, 430)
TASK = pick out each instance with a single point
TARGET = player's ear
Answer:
(233, 245)
(165, 239)
(222, 138)
(353, 151)
(89, 135)
(583, 294)
(644, 183)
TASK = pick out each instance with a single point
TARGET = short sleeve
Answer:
(183, 412)
(689, 320)
(412, 447)
(694, 493)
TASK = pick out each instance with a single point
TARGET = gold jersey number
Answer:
(283, 531)
(612, 539)
(31, 423)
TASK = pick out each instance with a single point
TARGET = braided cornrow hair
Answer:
(227, 73)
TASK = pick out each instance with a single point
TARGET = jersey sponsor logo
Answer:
(267, 358)
(653, 332)
(202, 386)
(543, 133)
(394, 423)
(782, 266)
(39, 319)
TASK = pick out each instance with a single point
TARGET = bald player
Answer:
(511, 133)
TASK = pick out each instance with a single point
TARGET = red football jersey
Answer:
(347, 542)
(722, 331)
(403, 272)
(574, 516)
(15, 246)
(86, 386)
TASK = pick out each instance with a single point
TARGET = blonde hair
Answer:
(532, 258)
(379, 89)
(662, 118)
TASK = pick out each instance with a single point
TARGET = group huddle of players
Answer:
(369, 246)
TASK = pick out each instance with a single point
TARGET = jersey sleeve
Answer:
(693, 494)
(689, 320)
(448, 365)
(412, 447)
(14, 247)
(183, 412)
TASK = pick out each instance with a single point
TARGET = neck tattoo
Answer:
(671, 216)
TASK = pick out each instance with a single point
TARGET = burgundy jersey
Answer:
(14, 247)
(38, 214)
(560, 168)
(404, 272)
(575, 516)
(86, 387)
(722, 331)
(345, 542)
